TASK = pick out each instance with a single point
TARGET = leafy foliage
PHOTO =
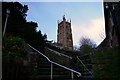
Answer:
(18, 26)
(106, 64)
(14, 47)
(18, 33)
(14, 52)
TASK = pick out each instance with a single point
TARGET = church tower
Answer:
(64, 36)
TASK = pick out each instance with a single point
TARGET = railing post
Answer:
(72, 75)
(51, 71)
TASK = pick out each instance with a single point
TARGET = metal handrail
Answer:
(84, 65)
(55, 62)
(59, 53)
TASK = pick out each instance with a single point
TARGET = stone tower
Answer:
(64, 36)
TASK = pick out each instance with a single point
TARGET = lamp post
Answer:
(7, 15)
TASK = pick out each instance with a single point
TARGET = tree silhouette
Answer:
(17, 16)
(86, 45)
(17, 24)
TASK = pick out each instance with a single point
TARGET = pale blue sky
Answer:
(84, 17)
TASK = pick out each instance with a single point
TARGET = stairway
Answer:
(85, 59)
(86, 68)
(59, 73)
(44, 71)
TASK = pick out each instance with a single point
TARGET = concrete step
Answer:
(86, 74)
(88, 77)
(44, 65)
(54, 76)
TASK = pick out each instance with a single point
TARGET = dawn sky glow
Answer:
(86, 17)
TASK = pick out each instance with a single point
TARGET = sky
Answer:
(86, 19)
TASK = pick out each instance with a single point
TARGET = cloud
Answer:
(94, 29)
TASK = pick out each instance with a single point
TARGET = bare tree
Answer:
(86, 45)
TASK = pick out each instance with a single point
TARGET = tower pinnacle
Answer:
(64, 18)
